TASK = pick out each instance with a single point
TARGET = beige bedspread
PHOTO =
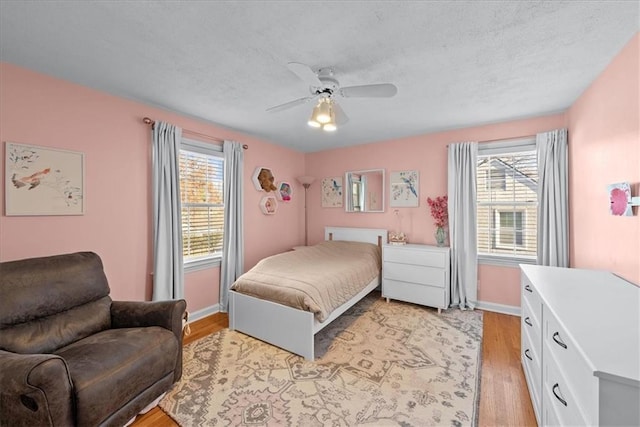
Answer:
(316, 278)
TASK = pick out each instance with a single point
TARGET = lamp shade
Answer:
(324, 111)
(306, 179)
(330, 126)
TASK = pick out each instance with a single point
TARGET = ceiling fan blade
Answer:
(305, 73)
(382, 90)
(341, 117)
(291, 104)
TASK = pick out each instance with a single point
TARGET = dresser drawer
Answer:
(404, 255)
(580, 379)
(532, 326)
(418, 294)
(414, 273)
(550, 417)
(532, 359)
(531, 296)
(533, 376)
(560, 397)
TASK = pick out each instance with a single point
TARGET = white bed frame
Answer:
(290, 328)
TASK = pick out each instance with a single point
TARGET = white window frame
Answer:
(497, 213)
(496, 148)
(493, 184)
(208, 149)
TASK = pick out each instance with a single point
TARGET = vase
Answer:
(440, 236)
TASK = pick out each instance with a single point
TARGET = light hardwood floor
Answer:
(504, 398)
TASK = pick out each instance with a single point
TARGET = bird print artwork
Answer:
(44, 181)
(332, 192)
(404, 189)
(337, 188)
(410, 186)
(32, 180)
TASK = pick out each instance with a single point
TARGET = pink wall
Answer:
(428, 155)
(604, 129)
(41, 110)
(604, 148)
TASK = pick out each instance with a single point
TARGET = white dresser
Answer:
(581, 346)
(416, 273)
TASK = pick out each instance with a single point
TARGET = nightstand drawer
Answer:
(417, 294)
(417, 274)
(409, 255)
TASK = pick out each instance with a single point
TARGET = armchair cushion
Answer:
(49, 302)
(111, 367)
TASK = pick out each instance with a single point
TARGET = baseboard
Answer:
(203, 312)
(499, 308)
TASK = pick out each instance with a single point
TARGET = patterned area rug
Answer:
(378, 364)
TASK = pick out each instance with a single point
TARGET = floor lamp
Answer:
(306, 183)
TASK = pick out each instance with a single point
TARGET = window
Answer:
(509, 228)
(507, 185)
(201, 193)
(496, 179)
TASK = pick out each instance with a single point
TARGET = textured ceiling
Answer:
(455, 63)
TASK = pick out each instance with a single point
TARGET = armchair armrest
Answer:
(137, 314)
(35, 389)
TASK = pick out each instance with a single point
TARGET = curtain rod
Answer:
(504, 139)
(150, 122)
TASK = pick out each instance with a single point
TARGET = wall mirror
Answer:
(364, 190)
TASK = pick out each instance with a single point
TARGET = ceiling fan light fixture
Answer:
(313, 120)
(313, 123)
(324, 111)
(329, 127)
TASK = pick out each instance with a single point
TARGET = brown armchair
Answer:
(69, 355)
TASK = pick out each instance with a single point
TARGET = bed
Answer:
(290, 328)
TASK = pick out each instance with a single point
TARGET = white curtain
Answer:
(553, 198)
(348, 189)
(233, 241)
(168, 270)
(462, 163)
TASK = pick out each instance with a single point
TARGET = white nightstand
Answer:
(416, 273)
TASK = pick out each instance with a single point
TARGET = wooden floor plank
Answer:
(504, 397)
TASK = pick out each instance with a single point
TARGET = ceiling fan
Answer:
(325, 88)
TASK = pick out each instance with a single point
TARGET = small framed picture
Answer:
(43, 181)
(332, 192)
(404, 189)
(269, 205)
(284, 192)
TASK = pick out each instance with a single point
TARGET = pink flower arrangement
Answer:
(439, 211)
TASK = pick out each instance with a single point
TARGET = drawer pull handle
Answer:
(526, 353)
(556, 338)
(528, 321)
(528, 288)
(556, 386)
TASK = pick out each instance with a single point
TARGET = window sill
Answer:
(201, 264)
(504, 261)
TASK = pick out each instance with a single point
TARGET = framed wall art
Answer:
(263, 179)
(269, 205)
(404, 189)
(284, 192)
(332, 191)
(43, 180)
